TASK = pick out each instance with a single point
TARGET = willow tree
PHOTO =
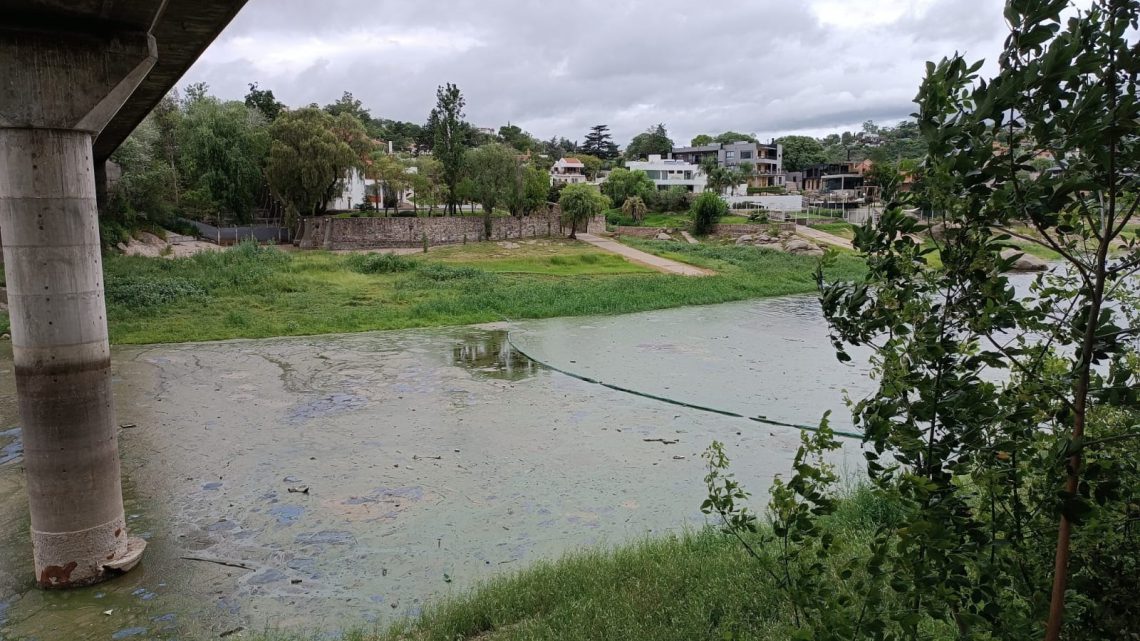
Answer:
(579, 204)
(309, 156)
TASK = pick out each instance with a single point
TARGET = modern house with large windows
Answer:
(833, 177)
(669, 173)
(767, 160)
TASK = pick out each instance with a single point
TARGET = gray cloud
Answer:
(762, 66)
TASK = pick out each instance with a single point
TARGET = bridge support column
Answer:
(61, 90)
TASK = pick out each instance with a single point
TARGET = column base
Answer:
(87, 557)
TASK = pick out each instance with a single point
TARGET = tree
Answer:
(426, 180)
(514, 136)
(599, 143)
(448, 135)
(729, 137)
(634, 208)
(263, 101)
(528, 190)
(655, 140)
(579, 204)
(718, 178)
(148, 184)
(707, 211)
(702, 140)
(1002, 432)
(492, 171)
(590, 164)
(391, 177)
(167, 117)
(801, 152)
(307, 161)
(349, 104)
(887, 176)
(623, 183)
(223, 151)
(402, 135)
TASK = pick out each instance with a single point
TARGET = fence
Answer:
(264, 233)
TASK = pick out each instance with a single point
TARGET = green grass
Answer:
(251, 292)
(843, 230)
(694, 585)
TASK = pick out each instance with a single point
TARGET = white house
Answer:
(666, 173)
(357, 189)
(567, 171)
(354, 192)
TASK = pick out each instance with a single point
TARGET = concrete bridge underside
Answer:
(76, 77)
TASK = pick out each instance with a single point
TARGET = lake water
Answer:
(359, 477)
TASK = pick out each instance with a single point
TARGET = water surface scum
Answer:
(328, 482)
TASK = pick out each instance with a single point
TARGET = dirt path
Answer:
(823, 237)
(664, 265)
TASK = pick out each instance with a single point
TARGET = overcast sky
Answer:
(768, 67)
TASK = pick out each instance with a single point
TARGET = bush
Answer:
(380, 263)
(675, 199)
(707, 210)
(112, 233)
(439, 272)
(143, 292)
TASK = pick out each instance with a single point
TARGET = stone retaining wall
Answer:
(331, 233)
(750, 228)
(639, 232)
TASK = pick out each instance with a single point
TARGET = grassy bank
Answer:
(251, 292)
(700, 585)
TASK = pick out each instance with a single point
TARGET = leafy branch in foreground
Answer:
(1004, 426)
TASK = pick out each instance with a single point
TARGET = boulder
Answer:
(798, 244)
(150, 239)
(744, 240)
(1025, 262)
(663, 236)
(801, 247)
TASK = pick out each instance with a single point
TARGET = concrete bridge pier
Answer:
(60, 89)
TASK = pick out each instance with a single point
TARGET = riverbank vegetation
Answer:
(257, 292)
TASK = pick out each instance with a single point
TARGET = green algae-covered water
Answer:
(338, 481)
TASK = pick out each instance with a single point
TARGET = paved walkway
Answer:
(658, 263)
(823, 237)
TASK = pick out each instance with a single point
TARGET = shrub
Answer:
(138, 293)
(380, 263)
(708, 209)
(439, 272)
(674, 199)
